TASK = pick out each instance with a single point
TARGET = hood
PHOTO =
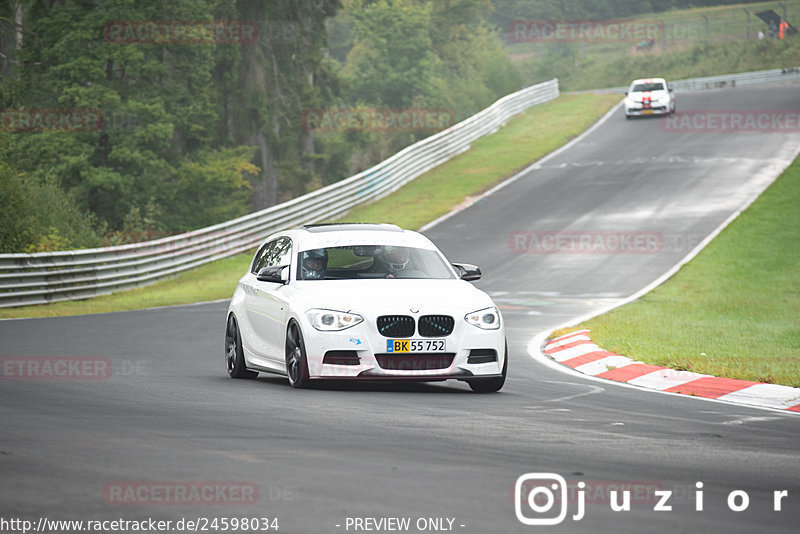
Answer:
(654, 95)
(394, 296)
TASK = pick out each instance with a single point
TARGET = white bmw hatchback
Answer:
(363, 301)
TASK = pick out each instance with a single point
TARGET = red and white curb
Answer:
(576, 350)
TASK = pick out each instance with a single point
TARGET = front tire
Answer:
(490, 385)
(234, 354)
(296, 361)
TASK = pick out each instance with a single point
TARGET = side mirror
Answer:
(626, 93)
(468, 272)
(669, 88)
(276, 275)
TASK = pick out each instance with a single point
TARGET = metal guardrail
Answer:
(44, 277)
(741, 79)
(40, 278)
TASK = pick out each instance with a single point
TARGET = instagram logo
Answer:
(539, 492)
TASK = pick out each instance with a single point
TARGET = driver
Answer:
(313, 264)
(393, 260)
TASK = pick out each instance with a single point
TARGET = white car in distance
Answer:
(649, 96)
(363, 301)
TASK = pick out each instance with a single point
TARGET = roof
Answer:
(649, 80)
(345, 227)
(351, 234)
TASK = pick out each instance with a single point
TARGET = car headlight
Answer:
(331, 320)
(486, 319)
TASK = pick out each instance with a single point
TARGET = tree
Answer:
(158, 102)
(392, 63)
(279, 77)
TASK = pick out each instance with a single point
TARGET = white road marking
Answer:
(592, 391)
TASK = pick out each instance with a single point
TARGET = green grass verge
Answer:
(734, 310)
(491, 159)
(695, 62)
(525, 139)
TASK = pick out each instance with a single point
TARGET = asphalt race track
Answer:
(169, 414)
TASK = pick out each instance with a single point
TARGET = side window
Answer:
(276, 252)
(260, 259)
(282, 253)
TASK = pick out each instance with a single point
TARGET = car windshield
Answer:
(642, 87)
(371, 261)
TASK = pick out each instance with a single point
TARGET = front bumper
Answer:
(645, 111)
(361, 353)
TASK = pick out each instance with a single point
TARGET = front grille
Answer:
(341, 357)
(482, 356)
(436, 325)
(396, 325)
(420, 361)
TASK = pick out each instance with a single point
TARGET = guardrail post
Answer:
(748, 22)
(705, 18)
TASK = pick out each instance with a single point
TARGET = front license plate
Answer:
(402, 346)
(647, 112)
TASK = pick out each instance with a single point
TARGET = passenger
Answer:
(314, 264)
